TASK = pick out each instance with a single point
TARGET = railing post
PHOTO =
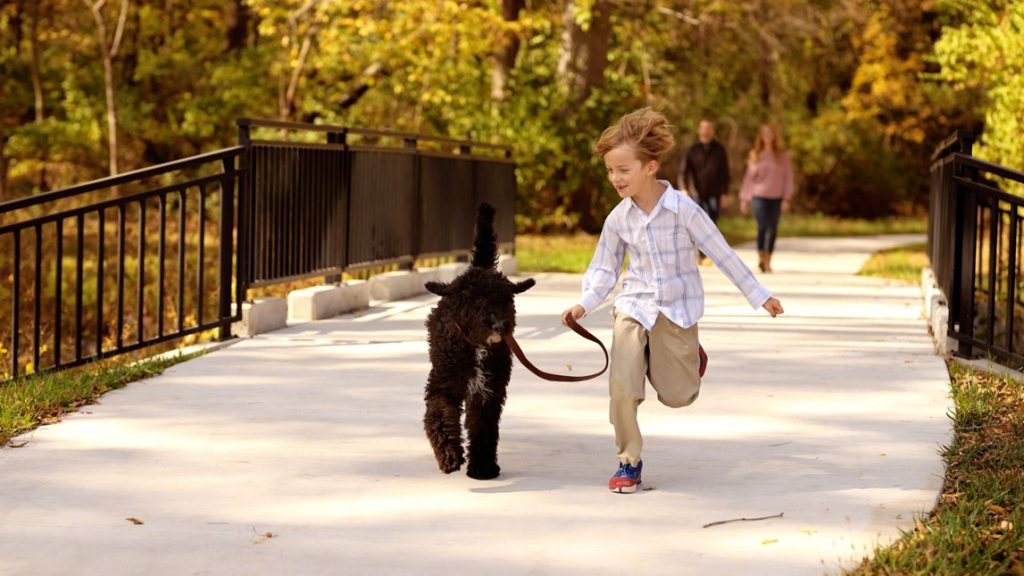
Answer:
(416, 197)
(227, 207)
(965, 237)
(340, 138)
(246, 256)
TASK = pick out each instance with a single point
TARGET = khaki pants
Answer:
(667, 356)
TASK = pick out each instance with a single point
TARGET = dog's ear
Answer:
(439, 288)
(520, 287)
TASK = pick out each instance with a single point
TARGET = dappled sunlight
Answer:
(832, 414)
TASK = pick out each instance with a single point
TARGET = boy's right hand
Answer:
(576, 312)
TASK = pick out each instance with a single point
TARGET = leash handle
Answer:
(514, 346)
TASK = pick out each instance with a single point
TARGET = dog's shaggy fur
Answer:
(471, 363)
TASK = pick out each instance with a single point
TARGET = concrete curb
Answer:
(262, 315)
(448, 272)
(319, 302)
(936, 312)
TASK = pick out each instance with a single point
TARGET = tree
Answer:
(109, 49)
(985, 54)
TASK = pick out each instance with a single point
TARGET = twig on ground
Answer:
(710, 524)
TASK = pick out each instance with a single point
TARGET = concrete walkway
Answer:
(301, 452)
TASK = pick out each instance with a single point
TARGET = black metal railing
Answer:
(975, 242)
(353, 198)
(149, 263)
(150, 256)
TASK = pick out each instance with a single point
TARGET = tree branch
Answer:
(119, 32)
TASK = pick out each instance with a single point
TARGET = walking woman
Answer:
(768, 186)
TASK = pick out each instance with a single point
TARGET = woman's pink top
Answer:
(768, 179)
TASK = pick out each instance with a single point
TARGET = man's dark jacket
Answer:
(707, 167)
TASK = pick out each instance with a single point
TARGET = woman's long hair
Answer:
(759, 144)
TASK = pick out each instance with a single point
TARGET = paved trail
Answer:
(301, 451)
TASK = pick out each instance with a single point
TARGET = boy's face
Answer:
(627, 172)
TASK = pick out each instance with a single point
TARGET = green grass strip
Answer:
(978, 525)
(903, 263)
(43, 398)
(565, 253)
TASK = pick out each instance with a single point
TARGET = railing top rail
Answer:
(989, 167)
(334, 128)
(119, 179)
(948, 145)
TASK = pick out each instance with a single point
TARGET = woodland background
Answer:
(862, 89)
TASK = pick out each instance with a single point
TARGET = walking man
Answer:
(704, 172)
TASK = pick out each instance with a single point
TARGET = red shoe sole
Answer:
(703, 360)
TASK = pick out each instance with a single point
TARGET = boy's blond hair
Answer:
(647, 132)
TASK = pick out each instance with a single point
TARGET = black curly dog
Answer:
(471, 362)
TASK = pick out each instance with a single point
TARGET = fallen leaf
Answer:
(997, 510)
(769, 541)
(135, 520)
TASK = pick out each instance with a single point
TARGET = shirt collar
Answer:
(669, 200)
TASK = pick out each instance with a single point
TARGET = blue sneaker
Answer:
(626, 479)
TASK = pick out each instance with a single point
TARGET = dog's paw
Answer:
(450, 459)
(483, 471)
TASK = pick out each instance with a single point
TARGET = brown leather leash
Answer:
(514, 346)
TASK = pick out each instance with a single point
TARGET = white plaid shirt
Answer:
(663, 275)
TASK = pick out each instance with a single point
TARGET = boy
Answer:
(662, 297)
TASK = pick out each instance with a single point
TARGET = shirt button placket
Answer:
(652, 247)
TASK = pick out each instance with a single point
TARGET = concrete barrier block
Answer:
(429, 274)
(927, 280)
(261, 316)
(940, 328)
(507, 264)
(318, 302)
(396, 285)
(355, 296)
(449, 272)
(934, 300)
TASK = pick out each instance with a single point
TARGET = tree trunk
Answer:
(582, 62)
(356, 92)
(37, 88)
(508, 49)
(287, 92)
(583, 55)
(237, 19)
(108, 53)
(3, 165)
(37, 84)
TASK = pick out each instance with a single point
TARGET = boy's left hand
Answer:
(773, 306)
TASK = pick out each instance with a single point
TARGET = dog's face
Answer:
(482, 303)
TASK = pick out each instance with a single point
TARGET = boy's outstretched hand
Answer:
(576, 312)
(773, 306)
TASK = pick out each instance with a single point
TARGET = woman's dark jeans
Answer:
(767, 212)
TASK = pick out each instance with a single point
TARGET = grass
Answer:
(903, 263)
(44, 398)
(978, 525)
(564, 253)
(554, 253)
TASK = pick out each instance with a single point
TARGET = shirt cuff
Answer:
(590, 301)
(758, 297)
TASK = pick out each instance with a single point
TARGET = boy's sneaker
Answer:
(626, 479)
(703, 359)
